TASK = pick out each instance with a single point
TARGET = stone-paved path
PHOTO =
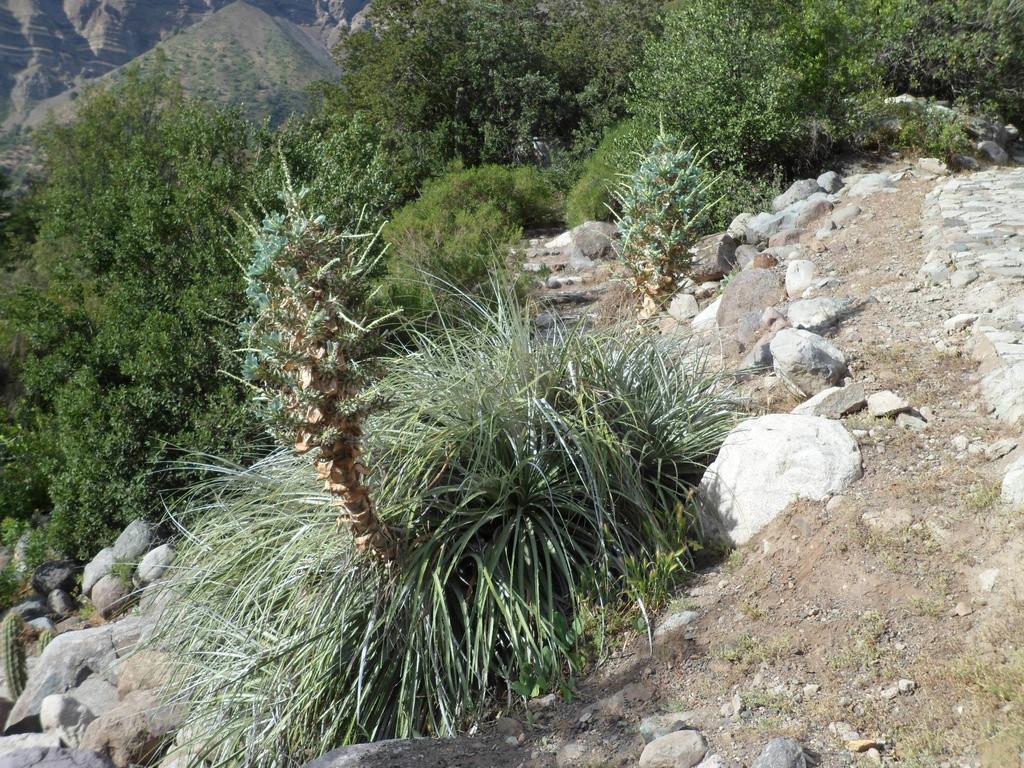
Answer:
(975, 228)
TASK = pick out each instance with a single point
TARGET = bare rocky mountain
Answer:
(50, 47)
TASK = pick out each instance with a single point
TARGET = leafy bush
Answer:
(954, 49)
(520, 506)
(664, 203)
(125, 341)
(476, 81)
(459, 232)
(926, 130)
(591, 198)
(760, 83)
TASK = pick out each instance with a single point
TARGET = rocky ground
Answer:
(869, 611)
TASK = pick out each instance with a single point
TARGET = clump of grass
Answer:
(747, 650)
(527, 481)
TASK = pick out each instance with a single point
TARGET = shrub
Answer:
(591, 198)
(459, 232)
(526, 480)
(925, 130)
(955, 49)
(664, 203)
(760, 83)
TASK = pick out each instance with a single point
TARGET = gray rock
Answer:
(135, 541)
(715, 257)
(97, 568)
(65, 717)
(834, 402)
(843, 216)
(97, 693)
(964, 163)
(830, 181)
(814, 210)
(764, 225)
(43, 624)
(110, 595)
(962, 278)
(781, 753)
(656, 726)
(784, 238)
(22, 741)
(30, 609)
(993, 152)
(806, 362)
(871, 184)
(1012, 489)
(886, 403)
(1003, 390)
(798, 190)
(53, 757)
(156, 562)
(934, 273)
(71, 658)
(681, 749)
(61, 603)
(589, 240)
(135, 731)
(799, 276)
(744, 300)
(933, 165)
(675, 622)
(767, 463)
(911, 422)
(55, 574)
(816, 315)
(745, 255)
(738, 228)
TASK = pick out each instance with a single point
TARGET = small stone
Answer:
(682, 749)
(509, 726)
(962, 278)
(830, 181)
(135, 541)
(889, 693)
(1000, 448)
(1012, 490)
(861, 745)
(683, 307)
(987, 579)
(834, 402)
(911, 422)
(933, 165)
(874, 755)
(843, 731)
(811, 689)
(781, 753)
(886, 403)
(933, 274)
(959, 322)
(962, 609)
(888, 520)
(799, 276)
(656, 726)
(960, 443)
(61, 603)
(675, 622)
(905, 685)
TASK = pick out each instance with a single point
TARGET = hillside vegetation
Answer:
(406, 491)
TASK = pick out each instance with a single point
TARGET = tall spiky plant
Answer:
(664, 204)
(310, 349)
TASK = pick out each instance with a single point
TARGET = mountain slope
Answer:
(268, 50)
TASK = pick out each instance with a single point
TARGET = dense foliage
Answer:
(478, 81)
(457, 235)
(520, 506)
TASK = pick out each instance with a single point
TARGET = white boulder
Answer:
(767, 463)
(799, 276)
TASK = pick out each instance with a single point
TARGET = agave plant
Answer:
(531, 480)
(663, 203)
(310, 349)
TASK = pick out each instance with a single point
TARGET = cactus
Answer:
(43, 640)
(311, 347)
(12, 629)
(664, 204)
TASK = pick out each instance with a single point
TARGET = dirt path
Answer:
(889, 614)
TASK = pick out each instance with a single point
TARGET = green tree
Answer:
(476, 80)
(125, 345)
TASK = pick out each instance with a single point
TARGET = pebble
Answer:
(886, 403)
(962, 609)
(682, 749)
